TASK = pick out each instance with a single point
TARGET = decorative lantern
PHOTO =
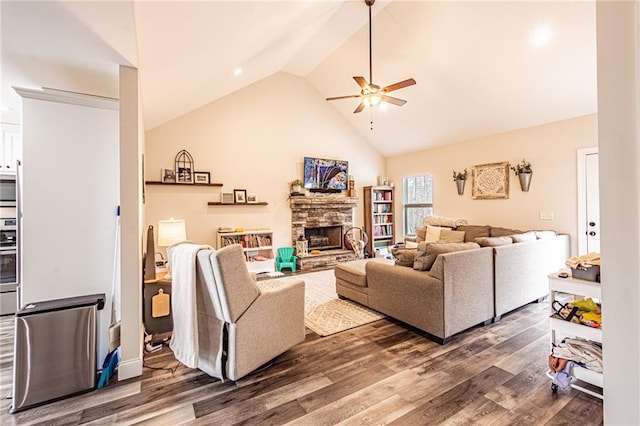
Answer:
(302, 247)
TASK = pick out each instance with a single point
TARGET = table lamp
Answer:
(170, 232)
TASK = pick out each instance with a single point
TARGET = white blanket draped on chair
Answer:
(184, 339)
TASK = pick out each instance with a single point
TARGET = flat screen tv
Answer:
(324, 175)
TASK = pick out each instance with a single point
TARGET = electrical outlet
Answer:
(546, 215)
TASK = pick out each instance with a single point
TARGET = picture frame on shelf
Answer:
(490, 181)
(240, 196)
(202, 177)
(184, 175)
(227, 198)
(168, 175)
(252, 198)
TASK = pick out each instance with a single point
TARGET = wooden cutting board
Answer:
(160, 304)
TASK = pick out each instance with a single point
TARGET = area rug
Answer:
(324, 312)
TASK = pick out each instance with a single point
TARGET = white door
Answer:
(588, 201)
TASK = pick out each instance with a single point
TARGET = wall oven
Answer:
(8, 191)
(8, 266)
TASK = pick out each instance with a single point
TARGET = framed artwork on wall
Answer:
(202, 177)
(490, 181)
(240, 196)
(252, 198)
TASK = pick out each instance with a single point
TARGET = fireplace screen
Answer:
(324, 237)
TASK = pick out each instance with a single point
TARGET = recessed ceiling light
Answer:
(236, 72)
(541, 36)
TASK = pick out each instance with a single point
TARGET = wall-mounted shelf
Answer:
(155, 182)
(218, 203)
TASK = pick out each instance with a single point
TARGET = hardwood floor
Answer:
(381, 373)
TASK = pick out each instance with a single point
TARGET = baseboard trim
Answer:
(129, 369)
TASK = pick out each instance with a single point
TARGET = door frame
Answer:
(582, 196)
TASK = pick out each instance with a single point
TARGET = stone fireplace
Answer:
(322, 220)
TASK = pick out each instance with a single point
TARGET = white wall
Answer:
(619, 155)
(254, 139)
(551, 149)
(70, 193)
(131, 148)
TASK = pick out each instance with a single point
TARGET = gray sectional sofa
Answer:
(462, 288)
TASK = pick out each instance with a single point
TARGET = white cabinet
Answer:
(11, 149)
(257, 247)
(559, 326)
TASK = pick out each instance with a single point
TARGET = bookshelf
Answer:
(378, 217)
(256, 245)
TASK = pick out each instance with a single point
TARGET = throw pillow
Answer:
(541, 235)
(421, 233)
(449, 236)
(521, 238)
(404, 256)
(474, 231)
(411, 244)
(493, 241)
(427, 252)
(503, 232)
(433, 233)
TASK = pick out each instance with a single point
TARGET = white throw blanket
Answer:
(184, 339)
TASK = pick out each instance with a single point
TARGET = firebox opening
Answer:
(324, 237)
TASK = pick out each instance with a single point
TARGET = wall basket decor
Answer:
(460, 178)
(490, 181)
(184, 167)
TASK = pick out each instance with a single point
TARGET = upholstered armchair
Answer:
(241, 326)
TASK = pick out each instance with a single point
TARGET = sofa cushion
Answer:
(421, 233)
(352, 272)
(493, 241)
(545, 234)
(433, 233)
(474, 231)
(410, 244)
(427, 252)
(503, 232)
(450, 236)
(404, 256)
(449, 222)
(526, 236)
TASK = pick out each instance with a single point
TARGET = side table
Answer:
(159, 326)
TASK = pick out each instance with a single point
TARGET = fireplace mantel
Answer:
(327, 202)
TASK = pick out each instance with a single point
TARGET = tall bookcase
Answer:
(257, 247)
(378, 216)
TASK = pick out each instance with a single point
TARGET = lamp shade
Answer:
(171, 232)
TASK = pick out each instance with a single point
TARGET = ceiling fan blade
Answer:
(392, 100)
(360, 108)
(343, 97)
(362, 82)
(399, 85)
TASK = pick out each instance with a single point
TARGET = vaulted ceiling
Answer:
(481, 67)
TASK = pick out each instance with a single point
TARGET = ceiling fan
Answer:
(372, 94)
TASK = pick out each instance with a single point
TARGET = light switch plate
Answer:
(546, 215)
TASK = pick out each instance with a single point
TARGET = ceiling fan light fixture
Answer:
(372, 99)
(371, 94)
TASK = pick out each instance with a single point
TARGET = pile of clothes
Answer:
(564, 356)
(584, 262)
